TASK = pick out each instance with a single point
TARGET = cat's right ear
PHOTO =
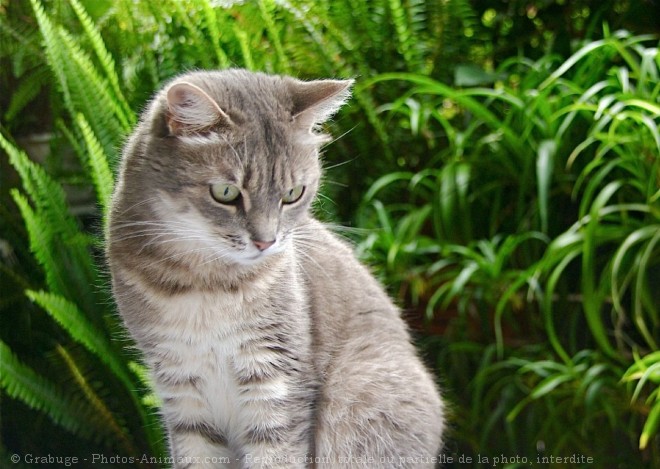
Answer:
(190, 111)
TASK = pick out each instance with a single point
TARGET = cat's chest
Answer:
(191, 352)
(213, 344)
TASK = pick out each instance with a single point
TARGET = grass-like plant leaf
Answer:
(645, 371)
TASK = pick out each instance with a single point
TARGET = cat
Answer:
(269, 344)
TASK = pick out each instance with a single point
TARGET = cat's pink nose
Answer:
(263, 245)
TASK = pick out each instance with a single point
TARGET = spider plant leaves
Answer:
(646, 371)
(651, 426)
(631, 264)
(385, 181)
(451, 206)
(544, 172)
(569, 152)
(620, 42)
(424, 85)
(593, 297)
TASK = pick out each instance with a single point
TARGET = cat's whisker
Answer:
(236, 154)
(341, 163)
(137, 204)
(191, 252)
(335, 139)
(243, 336)
(308, 257)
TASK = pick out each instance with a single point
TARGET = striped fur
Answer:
(270, 345)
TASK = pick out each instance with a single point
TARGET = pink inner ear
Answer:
(192, 110)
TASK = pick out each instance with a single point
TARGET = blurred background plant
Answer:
(500, 161)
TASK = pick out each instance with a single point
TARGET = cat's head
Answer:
(225, 165)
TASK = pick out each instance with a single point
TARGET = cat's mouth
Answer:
(254, 255)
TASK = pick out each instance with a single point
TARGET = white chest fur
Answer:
(205, 348)
(198, 338)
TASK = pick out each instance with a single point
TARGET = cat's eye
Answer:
(225, 193)
(293, 195)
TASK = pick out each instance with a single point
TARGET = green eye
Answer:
(293, 195)
(225, 193)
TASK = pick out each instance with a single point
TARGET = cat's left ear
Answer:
(192, 111)
(314, 102)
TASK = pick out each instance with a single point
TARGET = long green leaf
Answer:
(651, 425)
(544, 172)
(593, 299)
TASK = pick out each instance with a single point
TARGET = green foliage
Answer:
(94, 402)
(511, 204)
(21, 382)
(537, 216)
(647, 370)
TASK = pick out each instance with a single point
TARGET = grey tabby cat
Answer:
(270, 345)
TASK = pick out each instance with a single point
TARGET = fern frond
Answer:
(196, 36)
(21, 382)
(246, 49)
(91, 94)
(105, 59)
(47, 195)
(53, 52)
(330, 39)
(82, 331)
(150, 399)
(403, 33)
(104, 417)
(211, 21)
(268, 9)
(40, 243)
(28, 88)
(17, 39)
(67, 315)
(97, 163)
(56, 240)
(83, 89)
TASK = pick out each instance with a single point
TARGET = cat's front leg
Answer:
(278, 436)
(199, 445)
(194, 439)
